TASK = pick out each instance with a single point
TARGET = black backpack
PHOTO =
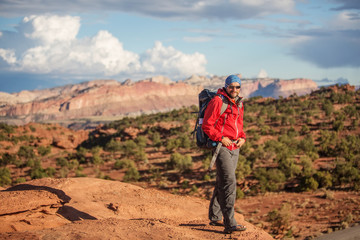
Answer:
(202, 140)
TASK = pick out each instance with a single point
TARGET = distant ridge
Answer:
(106, 100)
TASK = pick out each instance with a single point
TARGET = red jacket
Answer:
(233, 117)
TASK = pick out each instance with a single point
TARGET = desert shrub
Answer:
(239, 193)
(180, 162)
(20, 180)
(245, 149)
(156, 139)
(328, 108)
(345, 173)
(50, 171)
(43, 151)
(327, 142)
(5, 177)
(285, 120)
(97, 159)
(7, 158)
(350, 111)
(63, 172)
(113, 146)
(37, 171)
(307, 166)
(172, 144)
(81, 155)
(304, 129)
(269, 180)
(308, 183)
(243, 168)
(7, 128)
(141, 156)
(132, 175)
(324, 179)
(124, 163)
(185, 141)
(348, 147)
(78, 173)
(338, 123)
(141, 141)
(32, 128)
(129, 148)
(26, 152)
(264, 130)
(288, 167)
(62, 162)
(280, 218)
(206, 161)
(307, 145)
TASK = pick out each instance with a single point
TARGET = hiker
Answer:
(227, 129)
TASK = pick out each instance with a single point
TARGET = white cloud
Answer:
(55, 49)
(8, 55)
(52, 29)
(262, 74)
(169, 60)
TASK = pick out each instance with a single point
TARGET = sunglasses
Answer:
(234, 87)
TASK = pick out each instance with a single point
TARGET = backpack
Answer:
(202, 140)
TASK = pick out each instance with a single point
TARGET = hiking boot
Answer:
(216, 223)
(237, 228)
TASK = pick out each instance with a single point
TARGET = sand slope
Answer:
(89, 208)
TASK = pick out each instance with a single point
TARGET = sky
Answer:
(48, 43)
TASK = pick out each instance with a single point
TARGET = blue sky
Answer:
(47, 43)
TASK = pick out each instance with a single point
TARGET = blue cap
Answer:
(232, 78)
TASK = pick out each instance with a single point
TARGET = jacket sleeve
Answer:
(212, 114)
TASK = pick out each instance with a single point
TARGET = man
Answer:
(227, 129)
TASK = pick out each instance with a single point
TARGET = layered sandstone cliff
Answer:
(109, 98)
(98, 98)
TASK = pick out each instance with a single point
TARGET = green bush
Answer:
(280, 218)
(141, 141)
(62, 162)
(270, 180)
(5, 177)
(37, 171)
(173, 144)
(130, 148)
(156, 139)
(97, 159)
(308, 184)
(324, 179)
(7, 128)
(113, 146)
(239, 193)
(125, 163)
(132, 175)
(243, 168)
(26, 152)
(7, 158)
(43, 151)
(180, 162)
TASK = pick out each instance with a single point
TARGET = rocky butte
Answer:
(107, 99)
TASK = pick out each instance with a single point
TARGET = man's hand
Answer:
(240, 142)
(226, 141)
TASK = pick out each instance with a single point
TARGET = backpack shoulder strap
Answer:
(224, 105)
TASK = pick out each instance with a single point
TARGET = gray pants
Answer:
(224, 196)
